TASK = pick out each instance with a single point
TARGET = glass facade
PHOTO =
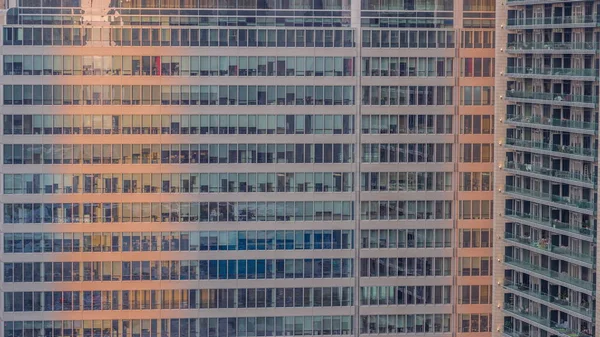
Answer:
(182, 168)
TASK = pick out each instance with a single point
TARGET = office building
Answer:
(546, 174)
(247, 168)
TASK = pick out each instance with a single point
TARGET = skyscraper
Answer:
(247, 168)
(546, 172)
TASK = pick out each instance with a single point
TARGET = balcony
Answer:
(508, 332)
(575, 152)
(553, 22)
(535, 2)
(580, 205)
(553, 124)
(584, 101)
(552, 73)
(526, 290)
(568, 177)
(544, 323)
(583, 232)
(542, 246)
(551, 275)
(531, 47)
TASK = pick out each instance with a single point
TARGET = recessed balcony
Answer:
(568, 177)
(542, 246)
(542, 322)
(553, 124)
(551, 47)
(584, 101)
(551, 275)
(553, 22)
(575, 152)
(578, 205)
(583, 231)
(552, 73)
(536, 2)
(528, 291)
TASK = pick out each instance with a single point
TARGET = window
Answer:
(179, 65)
(475, 209)
(177, 212)
(407, 124)
(406, 181)
(176, 182)
(405, 238)
(383, 38)
(476, 153)
(475, 266)
(407, 66)
(181, 241)
(477, 95)
(401, 295)
(407, 95)
(171, 270)
(406, 153)
(176, 37)
(172, 95)
(475, 322)
(394, 267)
(177, 153)
(406, 210)
(477, 124)
(475, 238)
(478, 39)
(475, 294)
(477, 67)
(476, 181)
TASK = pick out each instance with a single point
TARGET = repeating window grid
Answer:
(177, 270)
(62, 242)
(405, 267)
(407, 66)
(192, 327)
(405, 295)
(405, 324)
(407, 95)
(104, 183)
(406, 181)
(407, 153)
(178, 299)
(406, 210)
(178, 95)
(87, 154)
(178, 37)
(406, 124)
(154, 66)
(406, 238)
(184, 124)
(186, 212)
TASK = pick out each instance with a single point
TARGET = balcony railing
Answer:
(544, 245)
(552, 46)
(583, 204)
(557, 20)
(548, 323)
(574, 150)
(584, 229)
(560, 123)
(566, 72)
(553, 98)
(567, 175)
(563, 303)
(562, 277)
(513, 333)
